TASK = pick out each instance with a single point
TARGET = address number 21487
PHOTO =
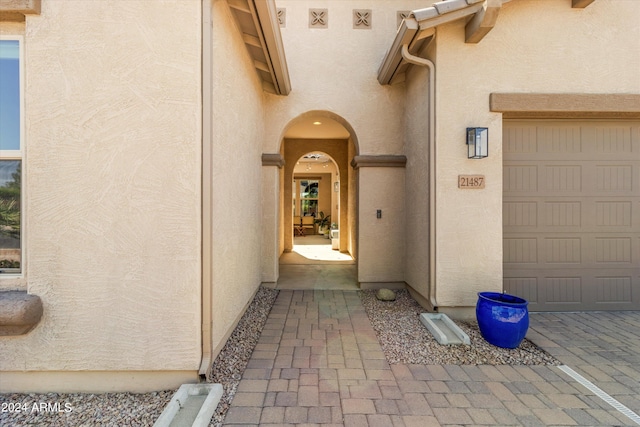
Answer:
(471, 182)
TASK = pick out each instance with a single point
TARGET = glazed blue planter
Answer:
(503, 319)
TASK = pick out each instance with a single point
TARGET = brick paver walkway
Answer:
(318, 362)
(603, 347)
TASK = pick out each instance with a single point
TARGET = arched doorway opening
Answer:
(317, 180)
(316, 211)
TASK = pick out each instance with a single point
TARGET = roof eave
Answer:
(268, 18)
(258, 23)
(418, 30)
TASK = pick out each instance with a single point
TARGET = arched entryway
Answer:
(317, 148)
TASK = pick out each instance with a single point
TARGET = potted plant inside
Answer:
(323, 223)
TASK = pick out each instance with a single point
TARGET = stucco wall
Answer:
(236, 179)
(417, 180)
(112, 188)
(536, 46)
(334, 69)
(381, 241)
(352, 181)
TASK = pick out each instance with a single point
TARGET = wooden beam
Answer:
(483, 21)
(25, 7)
(580, 4)
(261, 66)
(251, 40)
(240, 5)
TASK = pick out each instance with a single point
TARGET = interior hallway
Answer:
(313, 265)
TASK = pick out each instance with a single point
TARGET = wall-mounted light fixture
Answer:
(478, 142)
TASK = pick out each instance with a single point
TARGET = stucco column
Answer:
(381, 220)
(271, 164)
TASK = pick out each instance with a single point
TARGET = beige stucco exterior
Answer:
(333, 70)
(592, 50)
(238, 123)
(112, 238)
(152, 216)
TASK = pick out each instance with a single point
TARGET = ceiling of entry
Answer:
(317, 127)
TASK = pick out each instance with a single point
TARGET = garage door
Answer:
(571, 214)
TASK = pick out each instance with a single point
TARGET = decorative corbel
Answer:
(483, 21)
(580, 4)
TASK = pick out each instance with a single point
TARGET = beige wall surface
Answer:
(236, 179)
(381, 241)
(334, 69)
(112, 187)
(417, 181)
(272, 241)
(536, 46)
(352, 204)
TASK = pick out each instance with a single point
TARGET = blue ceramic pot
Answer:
(503, 319)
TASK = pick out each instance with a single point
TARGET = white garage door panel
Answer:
(571, 214)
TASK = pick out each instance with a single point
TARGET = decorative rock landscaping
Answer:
(386, 295)
(404, 339)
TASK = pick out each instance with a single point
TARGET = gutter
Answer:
(422, 62)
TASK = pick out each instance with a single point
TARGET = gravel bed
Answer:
(404, 339)
(228, 367)
(83, 409)
(133, 409)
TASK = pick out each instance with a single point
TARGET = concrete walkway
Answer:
(318, 362)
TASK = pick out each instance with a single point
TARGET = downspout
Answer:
(207, 131)
(422, 62)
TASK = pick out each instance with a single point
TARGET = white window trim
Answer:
(17, 280)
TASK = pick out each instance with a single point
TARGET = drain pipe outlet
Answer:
(422, 62)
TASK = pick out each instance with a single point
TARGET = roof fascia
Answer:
(405, 35)
(258, 23)
(426, 20)
(274, 48)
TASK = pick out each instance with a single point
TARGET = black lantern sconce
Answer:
(478, 142)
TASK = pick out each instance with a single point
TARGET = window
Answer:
(11, 154)
(308, 197)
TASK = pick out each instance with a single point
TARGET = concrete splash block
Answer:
(192, 405)
(445, 331)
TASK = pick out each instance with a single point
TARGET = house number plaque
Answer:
(471, 182)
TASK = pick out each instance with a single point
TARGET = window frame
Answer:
(308, 199)
(18, 155)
